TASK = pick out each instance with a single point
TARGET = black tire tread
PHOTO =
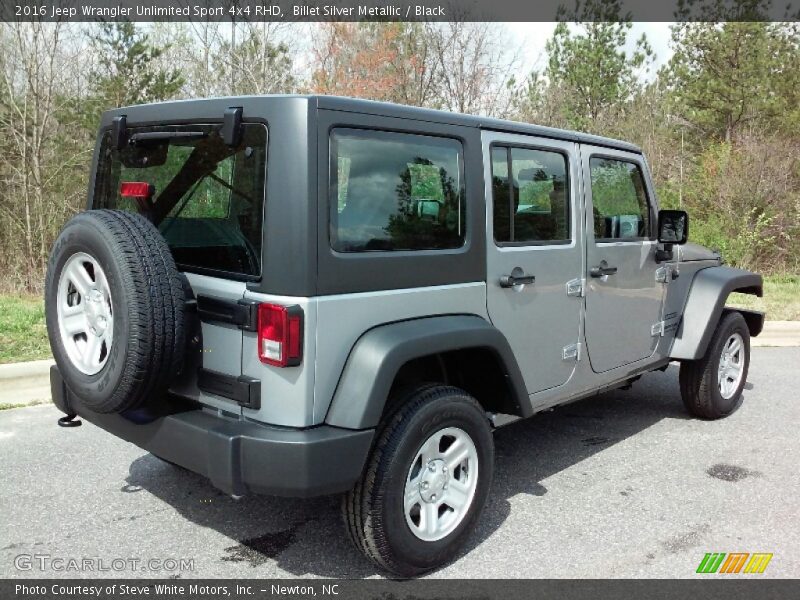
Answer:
(353, 501)
(362, 521)
(170, 289)
(155, 306)
(698, 378)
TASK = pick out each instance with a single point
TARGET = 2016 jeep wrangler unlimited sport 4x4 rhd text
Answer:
(311, 295)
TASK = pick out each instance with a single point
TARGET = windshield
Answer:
(208, 197)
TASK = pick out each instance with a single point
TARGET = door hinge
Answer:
(571, 352)
(667, 273)
(576, 287)
(243, 312)
(657, 328)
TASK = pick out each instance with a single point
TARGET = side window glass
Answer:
(619, 200)
(395, 191)
(532, 205)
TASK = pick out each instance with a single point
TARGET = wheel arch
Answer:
(705, 306)
(381, 354)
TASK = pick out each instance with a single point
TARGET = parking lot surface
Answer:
(621, 485)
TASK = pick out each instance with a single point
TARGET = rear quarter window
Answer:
(395, 191)
(208, 198)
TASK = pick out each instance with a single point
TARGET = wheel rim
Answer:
(85, 313)
(731, 366)
(441, 484)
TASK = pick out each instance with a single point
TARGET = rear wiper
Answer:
(158, 136)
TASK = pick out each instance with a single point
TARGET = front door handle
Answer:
(517, 277)
(602, 269)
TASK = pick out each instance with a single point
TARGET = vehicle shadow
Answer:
(307, 537)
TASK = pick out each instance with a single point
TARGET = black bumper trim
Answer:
(241, 457)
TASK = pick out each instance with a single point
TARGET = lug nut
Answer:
(424, 485)
(433, 497)
(431, 467)
(444, 469)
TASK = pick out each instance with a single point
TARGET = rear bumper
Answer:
(240, 457)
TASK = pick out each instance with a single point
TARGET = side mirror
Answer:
(673, 227)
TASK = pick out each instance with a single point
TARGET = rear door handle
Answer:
(602, 269)
(517, 277)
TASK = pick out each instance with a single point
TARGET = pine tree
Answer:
(127, 70)
(725, 76)
(590, 66)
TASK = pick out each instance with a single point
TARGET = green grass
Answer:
(781, 299)
(23, 335)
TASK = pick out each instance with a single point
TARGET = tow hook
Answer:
(69, 421)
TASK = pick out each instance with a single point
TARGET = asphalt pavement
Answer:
(621, 485)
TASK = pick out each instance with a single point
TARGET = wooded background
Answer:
(719, 123)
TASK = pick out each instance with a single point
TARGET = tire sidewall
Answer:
(80, 236)
(451, 411)
(730, 325)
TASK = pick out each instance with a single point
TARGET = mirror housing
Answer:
(673, 226)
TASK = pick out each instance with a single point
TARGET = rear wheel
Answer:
(425, 484)
(711, 387)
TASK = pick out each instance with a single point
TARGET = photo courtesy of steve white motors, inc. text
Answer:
(68, 11)
(76, 590)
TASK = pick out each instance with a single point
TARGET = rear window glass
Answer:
(208, 197)
(395, 191)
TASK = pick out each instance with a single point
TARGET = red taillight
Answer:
(135, 189)
(280, 335)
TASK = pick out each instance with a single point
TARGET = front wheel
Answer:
(425, 484)
(711, 387)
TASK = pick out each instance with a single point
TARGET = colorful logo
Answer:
(734, 562)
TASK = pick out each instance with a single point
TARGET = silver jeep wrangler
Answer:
(302, 295)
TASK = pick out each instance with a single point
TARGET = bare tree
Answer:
(456, 66)
(34, 73)
(475, 70)
(259, 59)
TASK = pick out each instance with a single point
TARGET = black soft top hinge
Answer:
(232, 126)
(242, 313)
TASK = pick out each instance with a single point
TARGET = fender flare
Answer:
(379, 354)
(705, 304)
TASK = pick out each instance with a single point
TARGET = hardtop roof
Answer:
(387, 109)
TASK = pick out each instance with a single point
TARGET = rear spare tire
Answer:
(114, 304)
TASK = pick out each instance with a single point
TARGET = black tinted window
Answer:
(208, 199)
(532, 205)
(393, 191)
(619, 200)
